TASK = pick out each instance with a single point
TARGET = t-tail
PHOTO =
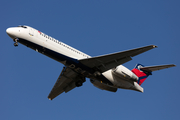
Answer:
(143, 72)
(140, 73)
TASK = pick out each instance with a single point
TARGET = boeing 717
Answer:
(105, 72)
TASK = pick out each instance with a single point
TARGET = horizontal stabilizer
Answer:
(154, 68)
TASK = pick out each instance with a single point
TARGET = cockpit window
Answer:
(22, 26)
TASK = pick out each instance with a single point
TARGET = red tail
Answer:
(141, 74)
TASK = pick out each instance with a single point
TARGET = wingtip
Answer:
(154, 46)
(173, 65)
(50, 98)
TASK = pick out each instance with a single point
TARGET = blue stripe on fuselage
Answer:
(67, 61)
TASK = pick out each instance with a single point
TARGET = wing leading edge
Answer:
(106, 62)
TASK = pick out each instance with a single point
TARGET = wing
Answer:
(65, 82)
(159, 67)
(106, 62)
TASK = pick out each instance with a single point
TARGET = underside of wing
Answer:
(106, 62)
(159, 67)
(65, 82)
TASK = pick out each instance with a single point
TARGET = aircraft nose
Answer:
(12, 32)
(9, 31)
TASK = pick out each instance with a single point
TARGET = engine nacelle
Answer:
(102, 86)
(124, 73)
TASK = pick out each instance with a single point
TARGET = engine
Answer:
(124, 73)
(102, 86)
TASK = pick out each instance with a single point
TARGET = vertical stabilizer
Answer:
(141, 74)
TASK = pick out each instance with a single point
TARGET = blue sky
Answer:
(95, 27)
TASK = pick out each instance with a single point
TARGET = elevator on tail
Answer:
(105, 72)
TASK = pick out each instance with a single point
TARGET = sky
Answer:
(95, 27)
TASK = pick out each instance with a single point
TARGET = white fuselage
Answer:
(69, 56)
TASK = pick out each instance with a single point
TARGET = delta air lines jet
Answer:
(105, 72)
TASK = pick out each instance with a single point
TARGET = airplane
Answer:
(105, 72)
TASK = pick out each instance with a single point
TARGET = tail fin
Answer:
(142, 74)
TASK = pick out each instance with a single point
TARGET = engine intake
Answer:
(124, 73)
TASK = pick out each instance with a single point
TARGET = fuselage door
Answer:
(31, 31)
